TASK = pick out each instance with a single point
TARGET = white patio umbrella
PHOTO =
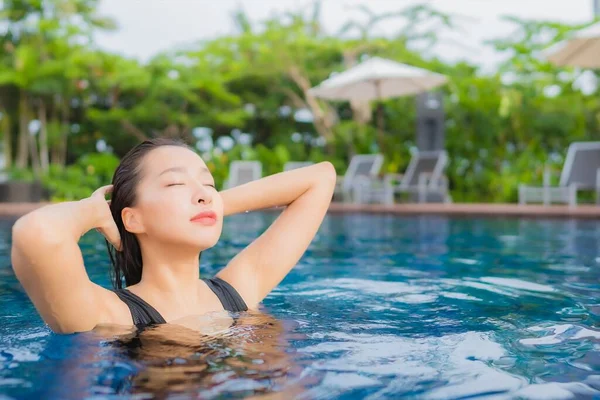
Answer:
(582, 50)
(377, 79)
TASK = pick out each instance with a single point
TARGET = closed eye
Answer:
(181, 184)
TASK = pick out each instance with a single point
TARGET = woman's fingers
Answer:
(103, 190)
(107, 227)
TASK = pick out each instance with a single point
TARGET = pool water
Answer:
(379, 307)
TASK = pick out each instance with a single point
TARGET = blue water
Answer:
(380, 307)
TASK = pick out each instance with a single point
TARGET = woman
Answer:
(164, 211)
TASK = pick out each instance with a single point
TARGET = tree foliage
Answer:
(251, 88)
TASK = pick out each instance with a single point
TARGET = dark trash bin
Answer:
(21, 192)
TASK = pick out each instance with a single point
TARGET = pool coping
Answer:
(456, 209)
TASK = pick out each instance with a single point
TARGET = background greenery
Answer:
(500, 132)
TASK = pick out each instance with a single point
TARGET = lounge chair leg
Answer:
(421, 195)
(572, 196)
(546, 196)
(598, 186)
(388, 197)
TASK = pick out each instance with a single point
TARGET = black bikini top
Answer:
(144, 314)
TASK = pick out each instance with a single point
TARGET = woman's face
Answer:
(175, 186)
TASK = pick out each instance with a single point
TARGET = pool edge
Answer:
(455, 209)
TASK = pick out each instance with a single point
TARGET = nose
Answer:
(202, 194)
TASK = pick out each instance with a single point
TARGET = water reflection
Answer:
(251, 357)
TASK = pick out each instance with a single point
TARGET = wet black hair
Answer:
(127, 263)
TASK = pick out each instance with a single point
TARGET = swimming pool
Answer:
(380, 307)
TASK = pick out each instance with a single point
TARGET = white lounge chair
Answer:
(581, 171)
(424, 179)
(241, 172)
(288, 166)
(362, 167)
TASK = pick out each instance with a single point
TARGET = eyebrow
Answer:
(182, 169)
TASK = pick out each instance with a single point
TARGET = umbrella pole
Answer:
(380, 119)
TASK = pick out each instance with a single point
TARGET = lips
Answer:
(205, 217)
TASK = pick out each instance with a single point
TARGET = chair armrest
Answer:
(425, 180)
(366, 180)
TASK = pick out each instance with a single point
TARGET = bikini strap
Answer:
(229, 297)
(142, 313)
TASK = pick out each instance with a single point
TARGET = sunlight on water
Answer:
(380, 307)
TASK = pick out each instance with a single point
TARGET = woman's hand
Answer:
(106, 224)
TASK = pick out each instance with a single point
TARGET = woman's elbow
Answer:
(31, 229)
(327, 173)
(20, 231)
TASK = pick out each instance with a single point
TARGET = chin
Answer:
(205, 243)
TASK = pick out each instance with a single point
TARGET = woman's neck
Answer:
(170, 275)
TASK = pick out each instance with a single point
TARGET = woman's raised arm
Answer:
(49, 264)
(261, 266)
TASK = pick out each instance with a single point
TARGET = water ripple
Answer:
(379, 307)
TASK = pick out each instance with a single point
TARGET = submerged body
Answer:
(164, 211)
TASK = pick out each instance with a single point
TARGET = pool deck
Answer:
(457, 209)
